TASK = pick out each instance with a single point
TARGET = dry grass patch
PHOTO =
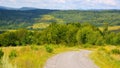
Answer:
(31, 56)
(105, 57)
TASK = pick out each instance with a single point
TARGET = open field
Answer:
(39, 26)
(30, 56)
(35, 56)
(111, 28)
(107, 56)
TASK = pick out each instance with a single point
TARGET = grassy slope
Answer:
(39, 26)
(30, 56)
(105, 59)
(110, 28)
(36, 56)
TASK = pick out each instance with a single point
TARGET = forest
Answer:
(71, 34)
(13, 19)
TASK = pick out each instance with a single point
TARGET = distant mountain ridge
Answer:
(22, 8)
(6, 8)
(27, 8)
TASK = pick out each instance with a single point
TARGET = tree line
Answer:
(69, 34)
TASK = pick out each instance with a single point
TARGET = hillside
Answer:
(18, 18)
(12, 19)
(95, 17)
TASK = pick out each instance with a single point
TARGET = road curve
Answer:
(71, 60)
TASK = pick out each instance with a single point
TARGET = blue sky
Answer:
(63, 4)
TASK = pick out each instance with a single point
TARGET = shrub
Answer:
(13, 54)
(34, 47)
(1, 53)
(115, 51)
(49, 48)
(87, 46)
(102, 49)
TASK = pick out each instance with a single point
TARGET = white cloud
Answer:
(44, 1)
(12, 0)
(61, 1)
(1, 1)
(62, 4)
(106, 2)
(34, 1)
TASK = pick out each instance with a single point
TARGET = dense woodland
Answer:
(71, 34)
(95, 17)
(12, 19)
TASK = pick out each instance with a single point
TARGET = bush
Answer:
(34, 47)
(102, 49)
(1, 53)
(115, 51)
(13, 54)
(87, 46)
(49, 48)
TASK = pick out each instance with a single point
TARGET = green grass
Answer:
(39, 25)
(104, 57)
(110, 28)
(31, 56)
(35, 56)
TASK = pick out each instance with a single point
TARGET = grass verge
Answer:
(31, 56)
(104, 57)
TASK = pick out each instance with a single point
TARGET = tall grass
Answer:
(105, 58)
(31, 56)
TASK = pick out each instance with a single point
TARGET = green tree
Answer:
(116, 39)
(105, 28)
(71, 34)
(8, 38)
(22, 36)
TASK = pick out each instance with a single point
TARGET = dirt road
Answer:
(71, 60)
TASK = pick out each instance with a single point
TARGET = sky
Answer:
(63, 4)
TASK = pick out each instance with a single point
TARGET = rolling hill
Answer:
(11, 18)
(22, 8)
(18, 19)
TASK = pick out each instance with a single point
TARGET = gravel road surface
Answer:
(71, 60)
